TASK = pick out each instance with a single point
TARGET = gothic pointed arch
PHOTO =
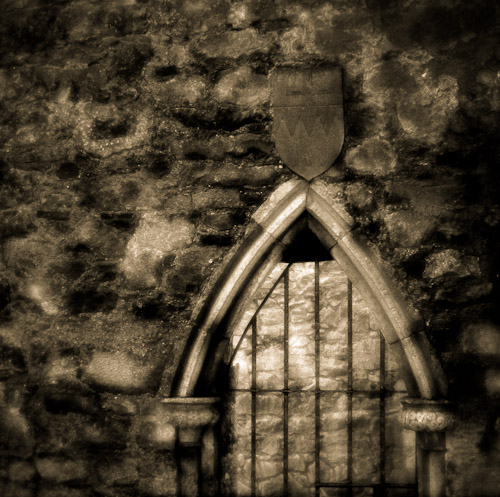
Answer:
(271, 228)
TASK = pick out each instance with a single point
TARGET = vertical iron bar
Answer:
(285, 397)
(382, 412)
(254, 404)
(317, 413)
(349, 386)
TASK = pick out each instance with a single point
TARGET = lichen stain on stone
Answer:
(102, 130)
(481, 338)
(61, 370)
(425, 114)
(240, 15)
(236, 44)
(374, 156)
(243, 87)
(39, 292)
(451, 263)
(409, 229)
(155, 238)
(135, 136)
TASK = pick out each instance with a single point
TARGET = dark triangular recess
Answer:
(305, 247)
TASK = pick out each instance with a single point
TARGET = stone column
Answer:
(194, 419)
(429, 419)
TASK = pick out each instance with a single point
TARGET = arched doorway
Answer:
(274, 226)
(314, 392)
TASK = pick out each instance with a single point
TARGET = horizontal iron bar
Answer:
(298, 390)
(365, 485)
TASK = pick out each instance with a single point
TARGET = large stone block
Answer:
(157, 430)
(17, 431)
(408, 229)
(61, 370)
(234, 44)
(11, 352)
(158, 478)
(46, 489)
(119, 372)
(424, 114)
(492, 381)
(374, 157)
(155, 238)
(21, 471)
(58, 469)
(481, 338)
(16, 489)
(451, 263)
(118, 471)
(242, 87)
(109, 433)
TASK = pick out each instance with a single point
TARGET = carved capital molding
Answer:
(426, 415)
(190, 416)
(191, 412)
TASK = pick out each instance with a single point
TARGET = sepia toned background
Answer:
(135, 143)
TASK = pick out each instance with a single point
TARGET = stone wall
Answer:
(135, 143)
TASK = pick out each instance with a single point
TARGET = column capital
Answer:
(426, 415)
(191, 411)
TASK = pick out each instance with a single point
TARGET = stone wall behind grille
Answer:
(135, 144)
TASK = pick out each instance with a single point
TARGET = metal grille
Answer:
(349, 483)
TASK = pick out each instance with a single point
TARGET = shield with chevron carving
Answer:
(308, 118)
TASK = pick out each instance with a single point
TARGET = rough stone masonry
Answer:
(135, 142)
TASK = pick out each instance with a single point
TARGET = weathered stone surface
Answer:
(119, 372)
(237, 43)
(301, 433)
(39, 292)
(62, 370)
(59, 470)
(18, 436)
(492, 381)
(21, 471)
(120, 405)
(121, 472)
(105, 434)
(116, 113)
(333, 441)
(409, 229)
(400, 444)
(158, 431)
(450, 263)
(159, 479)
(269, 338)
(12, 359)
(482, 338)
(240, 15)
(424, 114)
(15, 489)
(375, 157)
(243, 87)
(365, 438)
(365, 346)
(55, 490)
(155, 238)
(63, 402)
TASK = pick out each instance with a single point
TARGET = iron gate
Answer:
(314, 395)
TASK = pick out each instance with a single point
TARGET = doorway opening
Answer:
(314, 392)
(320, 376)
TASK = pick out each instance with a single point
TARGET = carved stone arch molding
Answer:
(272, 226)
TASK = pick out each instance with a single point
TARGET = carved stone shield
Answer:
(308, 118)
